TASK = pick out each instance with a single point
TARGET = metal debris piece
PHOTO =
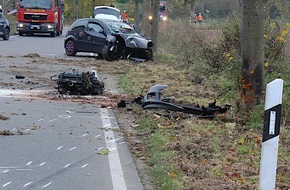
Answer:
(73, 82)
(155, 100)
(19, 77)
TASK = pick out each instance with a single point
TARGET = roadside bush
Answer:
(212, 57)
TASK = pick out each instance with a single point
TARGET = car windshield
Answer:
(120, 27)
(35, 4)
(107, 11)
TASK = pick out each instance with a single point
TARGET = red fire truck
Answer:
(40, 16)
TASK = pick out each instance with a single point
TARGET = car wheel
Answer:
(70, 48)
(53, 34)
(149, 55)
(20, 33)
(6, 34)
(106, 54)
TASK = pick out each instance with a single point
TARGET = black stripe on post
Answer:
(272, 119)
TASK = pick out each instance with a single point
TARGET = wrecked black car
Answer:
(4, 27)
(110, 39)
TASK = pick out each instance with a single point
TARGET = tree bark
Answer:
(252, 51)
(155, 24)
(146, 26)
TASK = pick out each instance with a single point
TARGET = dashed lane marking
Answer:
(46, 185)
(6, 184)
(27, 184)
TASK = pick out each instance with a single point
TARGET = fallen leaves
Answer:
(104, 151)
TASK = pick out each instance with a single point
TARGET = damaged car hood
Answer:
(135, 41)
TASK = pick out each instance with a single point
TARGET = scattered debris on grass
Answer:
(155, 100)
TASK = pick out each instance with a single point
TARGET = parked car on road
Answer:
(110, 39)
(4, 27)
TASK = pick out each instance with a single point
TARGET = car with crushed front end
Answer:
(110, 39)
(4, 27)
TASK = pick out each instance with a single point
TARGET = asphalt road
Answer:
(58, 145)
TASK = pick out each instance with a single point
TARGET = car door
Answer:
(2, 22)
(95, 37)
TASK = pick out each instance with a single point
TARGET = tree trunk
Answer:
(137, 14)
(155, 23)
(146, 23)
(252, 51)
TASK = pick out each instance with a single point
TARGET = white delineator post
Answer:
(272, 116)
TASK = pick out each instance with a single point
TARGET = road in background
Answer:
(56, 144)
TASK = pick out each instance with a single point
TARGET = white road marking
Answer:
(114, 159)
(42, 164)
(67, 165)
(85, 165)
(7, 184)
(121, 143)
(20, 169)
(92, 117)
(112, 149)
(51, 120)
(60, 147)
(13, 129)
(100, 148)
(64, 116)
(9, 167)
(46, 185)
(85, 134)
(27, 184)
(72, 148)
(3, 171)
(27, 130)
(40, 119)
(28, 163)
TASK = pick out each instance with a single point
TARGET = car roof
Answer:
(106, 7)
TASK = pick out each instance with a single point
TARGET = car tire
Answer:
(106, 54)
(149, 55)
(70, 48)
(20, 33)
(53, 34)
(6, 34)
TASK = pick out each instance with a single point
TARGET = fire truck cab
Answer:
(40, 16)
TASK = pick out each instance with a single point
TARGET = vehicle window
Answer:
(35, 4)
(106, 10)
(120, 27)
(94, 27)
(78, 28)
(79, 25)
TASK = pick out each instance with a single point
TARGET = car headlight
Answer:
(164, 18)
(49, 26)
(20, 25)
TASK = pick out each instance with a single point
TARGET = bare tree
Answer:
(252, 51)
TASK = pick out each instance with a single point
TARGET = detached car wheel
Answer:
(6, 34)
(70, 48)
